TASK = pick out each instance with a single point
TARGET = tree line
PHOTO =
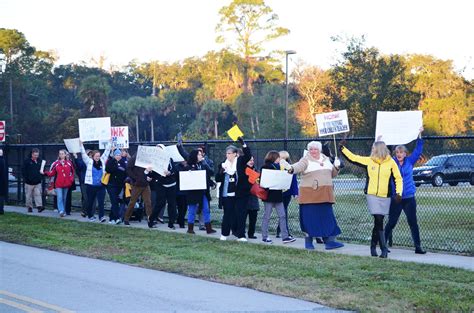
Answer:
(203, 96)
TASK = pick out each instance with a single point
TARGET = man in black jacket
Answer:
(33, 179)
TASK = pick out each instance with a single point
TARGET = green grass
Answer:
(341, 281)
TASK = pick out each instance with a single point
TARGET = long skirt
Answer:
(318, 220)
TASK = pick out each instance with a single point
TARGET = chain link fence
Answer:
(444, 188)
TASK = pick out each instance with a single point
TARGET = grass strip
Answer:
(340, 281)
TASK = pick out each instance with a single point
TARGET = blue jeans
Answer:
(94, 192)
(192, 208)
(61, 193)
(409, 207)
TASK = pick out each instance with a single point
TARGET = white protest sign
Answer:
(91, 129)
(174, 154)
(398, 128)
(43, 163)
(332, 123)
(154, 157)
(73, 145)
(119, 135)
(275, 180)
(193, 180)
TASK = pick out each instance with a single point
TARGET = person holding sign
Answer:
(380, 169)
(115, 185)
(408, 204)
(274, 200)
(95, 168)
(316, 196)
(234, 190)
(3, 181)
(33, 178)
(63, 171)
(288, 194)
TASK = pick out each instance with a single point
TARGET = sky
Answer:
(145, 30)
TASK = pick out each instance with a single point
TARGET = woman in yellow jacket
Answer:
(380, 168)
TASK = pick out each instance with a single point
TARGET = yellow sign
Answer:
(235, 133)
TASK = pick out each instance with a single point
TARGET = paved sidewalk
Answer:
(404, 255)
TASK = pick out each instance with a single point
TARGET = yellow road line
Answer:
(19, 306)
(37, 302)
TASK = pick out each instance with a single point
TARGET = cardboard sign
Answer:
(3, 133)
(235, 133)
(275, 180)
(119, 135)
(154, 157)
(73, 145)
(398, 128)
(193, 180)
(91, 129)
(174, 154)
(253, 175)
(332, 123)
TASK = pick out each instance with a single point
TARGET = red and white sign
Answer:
(3, 132)
(119, 135)
(332, 123)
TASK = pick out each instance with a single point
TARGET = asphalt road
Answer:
(37, 280)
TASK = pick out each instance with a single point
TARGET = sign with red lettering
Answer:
(3, 132)
(119, 135)
(332, 123)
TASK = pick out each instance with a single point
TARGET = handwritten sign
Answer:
(275, 180)
(91, 129)
(332, 123)
(193, 180)
(174, 154)
(73, 145)
(154, 157)
(119, 135)
(398, 128)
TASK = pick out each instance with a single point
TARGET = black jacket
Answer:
(3, 177)
(117, 172)
(164, 180)
(242, 188)
(136, 174)
(273, 195)
(195, 196)
(31, 171)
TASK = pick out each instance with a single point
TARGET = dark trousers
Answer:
(286, 203)
(166, 195)
(94, 192)
(69, 201)
(252, 216)
(2, 203)
(84, 200)
(241, 216)
(409, 207)
(182, 208)
(114, 192)
(230, 214)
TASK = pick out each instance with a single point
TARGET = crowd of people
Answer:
(389, 190)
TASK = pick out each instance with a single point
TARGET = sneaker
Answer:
(223, 238)
(112, 222)
(161, 220)
(103, 219)
(202, 227)
(252, 237)
(289, 239)
(126, 223)
(40, 209)
(171, 227)
(243, 239)
(83, 214)
(118, 222)
(92, 219)
(419, 250)
(62, 214)
(267, 240)
(30, 210)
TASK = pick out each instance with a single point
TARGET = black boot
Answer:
(419, 250)
(373, 243)
(383, 245)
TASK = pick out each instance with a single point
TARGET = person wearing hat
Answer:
(115, 185)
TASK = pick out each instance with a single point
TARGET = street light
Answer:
(287, 52)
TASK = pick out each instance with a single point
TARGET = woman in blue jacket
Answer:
(408, 204)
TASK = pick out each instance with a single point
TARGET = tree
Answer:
(444, 94)
(367, 82)
(94, 92)
(316, 89)
(247, 25)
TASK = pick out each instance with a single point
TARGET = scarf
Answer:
(97, 165)
(230, 168)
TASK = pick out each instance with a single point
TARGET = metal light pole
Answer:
(286, 99)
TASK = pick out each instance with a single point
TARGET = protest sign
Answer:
(73, 145)
(332, 123)
(275, 180)
(173, 153)
(398, 128)
(119, 135)
(235, 133)
(91, 129)
(155, 157)
(193, 180)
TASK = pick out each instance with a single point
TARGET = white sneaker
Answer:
(223, 238)
(243, 239)
(103, 219)
(92, 219)
(112, 222)
(118, 221)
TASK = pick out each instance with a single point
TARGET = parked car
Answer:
(11, 176)
(446, 168)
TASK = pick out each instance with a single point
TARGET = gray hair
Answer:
(401, 148)
(314, 144)
(231, 148)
